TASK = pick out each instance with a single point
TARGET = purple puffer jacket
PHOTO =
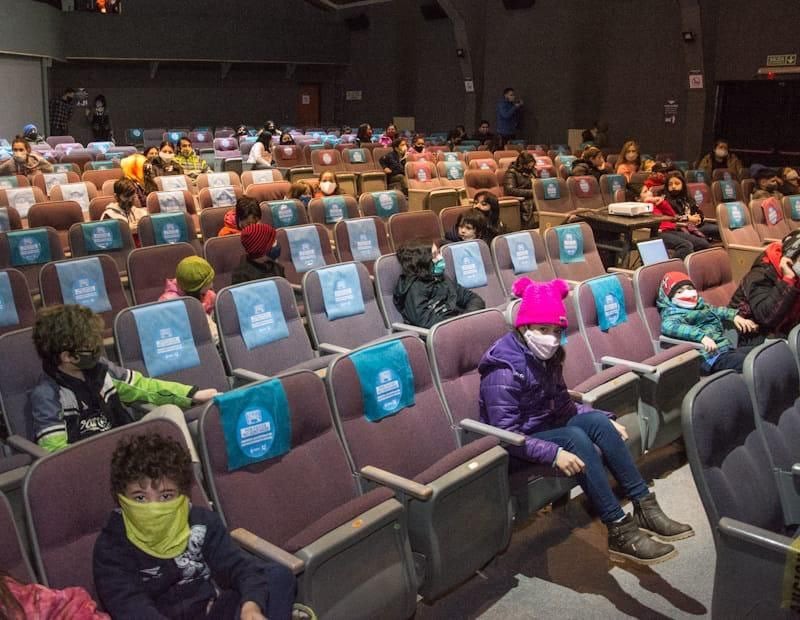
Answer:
(523, 394)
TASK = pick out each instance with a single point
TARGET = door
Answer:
(308, 105)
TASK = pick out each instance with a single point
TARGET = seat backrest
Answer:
(50, 180)
(264, 192)
(703, 197)
(224, 254)
(482, 164)
(15, 387)
(358, 160)
(54, 141)
(67, 509)
(264, 352)
(515, 256)
(455, 359)
(729, 463)
(78, 278)
(265, 498)
(382, 204)
(81, 192)
(646, 284)
(98, 177)
(225, 147)
(171, 201)
(727, 191)
(552, 195)
(129, 341)
(735, 225)
(504, 154)
(791, 211)
(150, 267)
(201, 140)
(387, 273)
(406, 443)
(28, 250)
(22, 198)
(173, 182)
(585, 192)
(98, 205)
(210, 197)
(722, 174)
(405, 227)
(249, 177)
(307, 253)
(451, 173)
(768, 220)
(283, 213)
(710, 270)
(289, 156)
(86, 238)
(629, 339)
(9, 219)
(480, 180)
(323, 160)
(16, 305)
(421, 174)
(609, 184)
(212, 220)
(13, 554)
(60, 215)
(449, 217)
(470, 264)
(329, 210)
(572, 252)
(361, 239)
(165, 228)
(472, 155)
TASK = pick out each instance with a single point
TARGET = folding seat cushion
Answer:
(572, 252)
(391, 418)
(149, 267)
(49, 180)
(261, 330)
(768, 220)
(553, 203)
(609, 185)
(283, 213)
(350, 551)
(405, 227)
(739, 237)
(585, 193)
(224, 254)
(521, 254)
(382, 204)
(710, 270)
(731, 471)
(617, 336)
(341, 309)
(171, 201)
(210, 197)
(67, 509)
(265, 192)
(110, 237)
(28, 250)
(791, 211)
(361, 239)
(303, 248)
(91, 281)
(16, 305)
(469, 263)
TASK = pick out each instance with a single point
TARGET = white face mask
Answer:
(543, 346)
(167, 157)
(20, 157)
(721, 153)
(631, 156)
(686, 299)
(327, 187)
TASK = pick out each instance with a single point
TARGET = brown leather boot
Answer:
(627, 542)
(649, 517)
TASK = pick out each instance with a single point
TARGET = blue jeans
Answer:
(580, 436)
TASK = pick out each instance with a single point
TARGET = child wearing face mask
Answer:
(685, 315)
(159, 556)
(423, 294)
(688, 217)
(328, 185)
(127, 207)
(300, 191)
(81, 393)
(675, 232)
(24, 161)
(162, 166)
(523, 390)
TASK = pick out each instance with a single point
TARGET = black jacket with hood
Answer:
(425, 302)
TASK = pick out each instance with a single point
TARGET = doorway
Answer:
(308, 105)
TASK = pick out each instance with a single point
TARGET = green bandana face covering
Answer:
(438, 267)
(160, 529)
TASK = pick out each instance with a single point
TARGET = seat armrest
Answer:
(671, 340)
(754, 536)
(327, 347)
(397, 483)
(248, 375)
(405, 327)
(264, 549)
(746, 248)
(26, 446)
(644, 369)
(769, 240)
(620, 270)
(296, 287)
(603, 390)
(796, 470)
(508, 437)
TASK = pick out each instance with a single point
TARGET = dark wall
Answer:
(32, 28)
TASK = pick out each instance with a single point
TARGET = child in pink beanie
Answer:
(523, 390)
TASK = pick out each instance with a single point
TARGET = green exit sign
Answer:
(781, 60)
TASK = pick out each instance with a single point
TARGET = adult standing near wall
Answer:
(99, 120)
(509, 114)
(60, 112)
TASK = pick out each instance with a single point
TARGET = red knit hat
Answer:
(257, 239)
(672, 281)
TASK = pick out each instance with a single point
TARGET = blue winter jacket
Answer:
(507, 118)
(523, 394)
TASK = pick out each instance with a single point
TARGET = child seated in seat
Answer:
(469, 226)
(160, 557)
(194, 277)
(246, 212)
(523, 390)
(258, 241)
(80, 393)
(685, 315)
(423, 294)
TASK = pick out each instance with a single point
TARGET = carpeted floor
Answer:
(557, 565)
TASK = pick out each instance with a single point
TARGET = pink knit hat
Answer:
(542, 302)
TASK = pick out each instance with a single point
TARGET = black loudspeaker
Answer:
(359, 22)
(432, 11)
(512, 5)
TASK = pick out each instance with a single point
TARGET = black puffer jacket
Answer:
(425, 302)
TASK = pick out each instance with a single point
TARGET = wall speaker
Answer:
(359, 22)
(432, 11)
(513, 5)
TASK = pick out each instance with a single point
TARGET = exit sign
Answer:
(781, 60)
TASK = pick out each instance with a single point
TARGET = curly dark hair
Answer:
(153, 456)
(475, 219)
(66, 328)
(416, 259)
(247, 207)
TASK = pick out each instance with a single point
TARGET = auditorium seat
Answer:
(171, 232)
(697, 176)
(572, 252)
(224, 254)
(469, 263)
(405, 227)
(283, 213)
(449, 216)
(585, 193)
(80, 232)
(349, 550)
(291, 162)
(14, 180)
(487, 163)
(174, 183)
(149, 268)
(768, 220)
(425, 192)
(722, 174)
(262, 192)
(35, 247)
(294, 265)
(369, 176)
(221, 179)
(451, 174)
(330, 160)
(54, 141)
(213, 197)
(472, 155)
(48, 180)
(791, 211)
(14, 294)
(329, 210)
(710, 270)
(701, 194)
(13, 548)
(552, 201)
(739, 237)
(354, 240)
(249, 177)
(646, 285)
(98, 177)
(212, 220)
(201, 140)
(417, 444)
(726, 191)
(609, 184)
(536, 266)
(382, 204)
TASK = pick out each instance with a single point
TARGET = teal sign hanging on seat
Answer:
(551, 189)
(468, 264)
(385, 203)
(284, 213)
(169, 227)
(82, 283)
(609, 301)
(165, 336)
(335, 209)
(794, 206)
(570, 244)
(258, 307)
(102, 236)
(29, 247)
(341, 291)
(386, 379)
(523, 256)
(8, 307)
(256, 423)
(735, 215)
